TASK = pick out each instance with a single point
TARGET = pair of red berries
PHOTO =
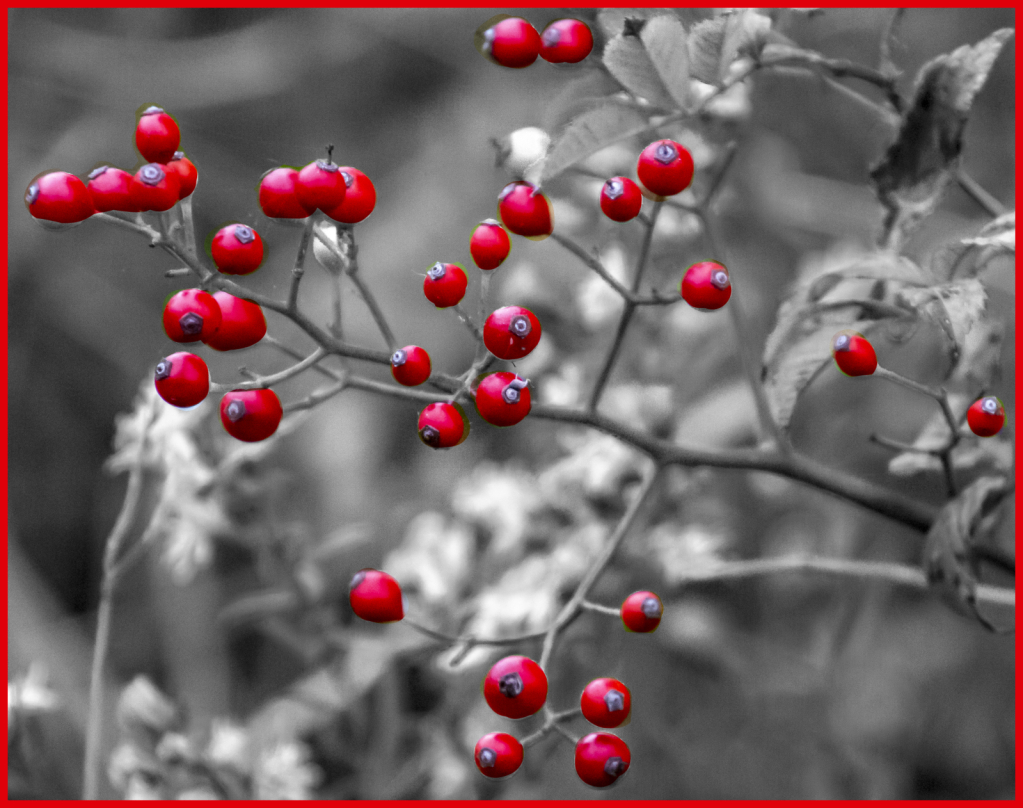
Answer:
(502, 399)
(155, 186)
(343, 193)
(665, 168)
(221, 320)
(600, 757)
(513, 42)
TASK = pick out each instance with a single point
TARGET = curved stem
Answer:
(299, 269)
(453, 640)
(463, 315)
(938, 395)
(276, 378)
(600, 608)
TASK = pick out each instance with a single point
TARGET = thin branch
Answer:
(463, 315)
(299, 269)
(979, 194)
(593, 263)
(597, 607)
(276, 378)
(451, 639)
(938, 395)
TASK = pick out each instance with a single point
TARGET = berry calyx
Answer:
(242, 323)
(706, 285)
(986, 417)
(277, 195)
(321, 185)
(154, 188)
(182, 379)
(187, 173)
(109, 188)
(443, 425)
(237, 249)
(445, 284)
(503, 399)
(410, 365)
(566, 41)
(498, 754)
(59, 197)
(375, 596)
(157, 136)
(665, 168)
(191, 315)
(853, 354)
(641, 612)
(360, 198)
(601, 758)
(251, 415)
(515, 687)
(606, 703)
(489, 244)
(620, 199)
(511, 42)
(525, 211)
(511, 332)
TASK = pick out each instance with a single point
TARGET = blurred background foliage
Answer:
(787, 687)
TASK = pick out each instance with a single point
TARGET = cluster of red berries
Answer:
(513, 42)
(343, 193)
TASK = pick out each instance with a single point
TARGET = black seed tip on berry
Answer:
(510, 685)
(191, 323)
(151, 173)
(520, 326)
(399, 358)
(652, 608)
(488, 40)
(615, 766)
(551, 37)
(990, 404)
(163, 370)
(357, 579)
(244, 234)
(842, 342)
(437, 271)
(152, 110)
(349, 179)
(491, 222)
(179, 155)
(236, 410)
(614, 188)
(430, 436)
(719, 279)
(510, 395)
(506, 190)
(488, 757)
(33, 193)
(665, 153)
(96, 172)
(323, 165)
(614, 700)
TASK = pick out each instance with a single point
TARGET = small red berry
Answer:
(665, 167)
(512, 42)
(525, 211)
(706, 285)
(360, 198)
(620, 199)
(853, 354)
(154, 188)
(489, 244)
(157, 136)
(251, 415)
(182, 379)
(641, 612)
(277, 196)
(566, 41)
(59, 197)
(601, 758)
(445, 284)
(498, 754)
(375, 596)
(503, 399)
(321, 185)
(515, 687)
(511, 332)
(986, 417)
(237, 249)
(242, 323)
(410, 365)
(191, 315)
(443, 425)
(109, 189)
(606, 703)
(187, 173)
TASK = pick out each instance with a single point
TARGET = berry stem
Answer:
(299, 269)
(593, 263)
(979, 194)
(601, 609)
(551, 724)
(189, 224)
(463, 315)
(269, 381)
(938, 395)
(451, 639)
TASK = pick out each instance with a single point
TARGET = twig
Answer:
(593, 263)
(463, 315)
(938, 395)
(299, 269)
(979, 194)
(596, 607)
(276, 378)
(451, 639)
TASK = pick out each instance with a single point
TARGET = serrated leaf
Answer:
(955, 308)
(577, 95)
(715, 43)
(996, 238)
(664, 38)
(627, 60)
(588, 134)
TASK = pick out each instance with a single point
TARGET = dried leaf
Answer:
(665, 41)
(955, 308)
(629, 62)
(588, 134)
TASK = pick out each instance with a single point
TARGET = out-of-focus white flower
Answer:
(141, 787)
(449, 771)
(30, 693)
(228, 746)
(682, 550)
(174, 747)
(128, 761)
(595, 467)
(563, 388)
(501, 498)
(143, 708)
(285, 772)
(523, 150)
(435, 558)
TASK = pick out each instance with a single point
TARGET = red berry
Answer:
(186, 172)
(251, 415)
(853, 354)
(986, 417)
(154, 187)
(525, 211)
(706, 285)
(566, 41)
(515, 687)
(511, 332)
(182, 379)
(375, 596)
(277, 196)
(512, 42)
(360, 198)
(606, 703)
(601, 758)
(191, 315)
(620, 199)
(157, 136)
(498, 754)
(445, 284)
(489, 244)
(321, 185)
(109, 189)
(665, 167)
(443, 425)
(237, 249)
(242, 323)
(641, 612)
(410, 365)
(59, 197)
(503, 399)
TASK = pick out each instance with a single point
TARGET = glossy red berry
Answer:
(620, 199)
(321, 185)
(410, 365)
(566, 41)
(511, 332)
(182, 379)
(498, 754)
(601, 758)
(242, 323)
(853, 354)
(187, 173)
(157, 136)
(59, 197)
(154, 188)
(515, 687)
(606, 703)
(489, 244)
(375, 596)
(665, 167)
(237, 249)
(443, 425)
(251, 415)
(191, 315)
(109, 189)
(706, 285)
(641, 612)
(360, 198)
(986, 417)
(511, 42)
(445, 284)
(525, 211)
(503, 399)
(277, 196)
